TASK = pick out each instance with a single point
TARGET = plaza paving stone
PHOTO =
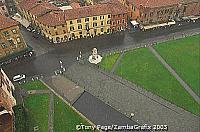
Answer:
(127, 98)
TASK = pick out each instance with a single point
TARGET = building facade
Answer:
(83, 22)
(80, 22)
(149, 12)
(7, 101)
(190, 8)
(152, 12)
(11, 40)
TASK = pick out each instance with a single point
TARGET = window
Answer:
(71, 22)
(71, 28)
(87, 26)
(63, 25)
(123, 21)
(108, 22)
(18, 40)
(94, 24)
(151, 14)
(54, 26)
(134, 8)
(118, 22)
(101, 23)
(87, 19)
(3, 8)
(14, 31)
(6, 33)
(64, 31)
(108, 16)
(101, 29)
(101, 17)
(56, 33)
(11, 41)
(108, 30)
(94, 18)
(80, 32)
(113, 23)
(3, 45)
(79, 26)
(79, 21)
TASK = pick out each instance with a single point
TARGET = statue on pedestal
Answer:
(95, 58)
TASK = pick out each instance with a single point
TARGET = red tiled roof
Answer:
(60, 17)
(52, 18)
(42, 7)
(27, 4)
(154, 3)
(75, 5)
(87, 11)
(6, 22)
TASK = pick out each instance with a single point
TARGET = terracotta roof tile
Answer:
(52, 18)
(154, 3)
(42, 7)
(27, 4)
(75, 5)
(6, 22)
(58, 18)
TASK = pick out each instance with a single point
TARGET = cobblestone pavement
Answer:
(173, 72)
(127, 98)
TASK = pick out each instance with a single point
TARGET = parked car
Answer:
(19, 77)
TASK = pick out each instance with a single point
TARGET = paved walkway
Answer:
(117, 62)
(173, 72)
(127, 98)
(38, 91)
(51, 113)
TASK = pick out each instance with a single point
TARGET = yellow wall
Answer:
(11, 48)
(77, 31)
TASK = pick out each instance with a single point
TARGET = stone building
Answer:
(190, 8)
(7, 101)
(11, 40)
(79, 22)
(149, 12)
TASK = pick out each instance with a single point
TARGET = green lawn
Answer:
(37, 107)
(33, 85)
(108, 61)
(141, 67)
(184, 56)
(65, 118)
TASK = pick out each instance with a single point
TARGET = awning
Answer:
(191, 18)
(134, 23)
(158, 25)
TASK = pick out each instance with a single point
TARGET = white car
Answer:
(19, 77)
